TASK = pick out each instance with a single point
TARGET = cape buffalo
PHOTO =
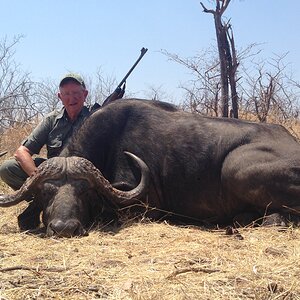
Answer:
(150, 155)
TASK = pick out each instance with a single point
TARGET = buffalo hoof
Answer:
(30, 218)
(274, 220)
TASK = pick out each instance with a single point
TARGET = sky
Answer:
(84, 36)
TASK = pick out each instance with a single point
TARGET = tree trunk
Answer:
(221, 40)
(227, 57)
(232, 68)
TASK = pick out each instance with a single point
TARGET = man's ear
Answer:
(86, 92)
(58, 95)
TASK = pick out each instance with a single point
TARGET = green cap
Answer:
(72, 77)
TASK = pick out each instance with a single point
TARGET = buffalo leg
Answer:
(30, 217)
(264, 178)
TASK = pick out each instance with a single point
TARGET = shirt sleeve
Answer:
(39, 136)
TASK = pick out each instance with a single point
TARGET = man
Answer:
(54, 132)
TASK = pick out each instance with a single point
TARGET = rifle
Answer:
(119, 91)
(3, 153)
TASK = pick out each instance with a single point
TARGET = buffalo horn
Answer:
(79, 168)
(118, 197)
(50, 168)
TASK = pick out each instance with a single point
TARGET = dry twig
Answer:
(195, 269)
(37, 269)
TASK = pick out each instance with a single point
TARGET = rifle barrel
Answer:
(143, 52)
(3, 153)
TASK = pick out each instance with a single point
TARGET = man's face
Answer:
(72, 95)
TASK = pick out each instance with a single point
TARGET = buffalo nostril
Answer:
(65, 229)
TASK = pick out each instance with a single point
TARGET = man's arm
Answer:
(24, 158)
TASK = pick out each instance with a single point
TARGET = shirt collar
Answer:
(63, 113)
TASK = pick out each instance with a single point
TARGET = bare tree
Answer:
(100, 87)
(268, 92)
(156, 93)
(16, 88)
(45, 96)
(203, 91)
(227, 58)
(215, 82)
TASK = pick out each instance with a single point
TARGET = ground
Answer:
(147, 260)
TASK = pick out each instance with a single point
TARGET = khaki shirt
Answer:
(54, 132)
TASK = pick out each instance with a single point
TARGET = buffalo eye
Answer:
(48, 190)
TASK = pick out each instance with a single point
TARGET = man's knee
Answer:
(12, 174)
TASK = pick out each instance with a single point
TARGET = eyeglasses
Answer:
(72, 94)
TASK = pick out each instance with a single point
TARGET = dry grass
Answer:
(12, 138)
(292, 125)
(149, 261)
